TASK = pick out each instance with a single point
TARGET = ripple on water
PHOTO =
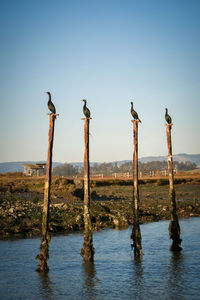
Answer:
(115, 274)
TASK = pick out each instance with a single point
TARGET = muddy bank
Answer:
(24, 216)
(111, 206)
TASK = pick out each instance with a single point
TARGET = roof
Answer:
(34, 166)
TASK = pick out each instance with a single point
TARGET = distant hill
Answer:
(182, 157)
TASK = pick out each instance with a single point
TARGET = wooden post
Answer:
(136, 234)
(174, 228)
(88, 250)
(44, 247)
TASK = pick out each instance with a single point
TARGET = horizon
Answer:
(110, 53)
(99, 162)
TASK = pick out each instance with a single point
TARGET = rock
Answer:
(120, 223)
(78, 218)
(165, 208)
(190, 207)
(11, 210)
(59, 205)
(116, 222)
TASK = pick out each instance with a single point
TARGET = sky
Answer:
(110, 52)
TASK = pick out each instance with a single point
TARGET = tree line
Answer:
(127, 167)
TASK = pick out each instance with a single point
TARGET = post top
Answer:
(86, 118)
(55, 115)
(169, 125)
(135, 121)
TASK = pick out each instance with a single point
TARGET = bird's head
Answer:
(131, 103)
(84, 101)
(48, 93)
(166, 109)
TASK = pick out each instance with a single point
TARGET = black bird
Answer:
(86, 110)
(134, 113)
(167, 117)
(50, 104)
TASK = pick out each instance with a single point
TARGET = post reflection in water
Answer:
(89, 285)
(138, 278)
(45, 285)
(176, 275)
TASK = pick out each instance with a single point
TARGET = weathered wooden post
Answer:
(174, 228)
(44, 247)
(88, 250)
(136, 234)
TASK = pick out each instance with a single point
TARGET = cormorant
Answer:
(134, 113)
(86, 110)
(167, 117)
(50, 104)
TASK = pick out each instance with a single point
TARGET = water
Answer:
(115, 274)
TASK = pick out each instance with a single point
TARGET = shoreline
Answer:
(68, 218)
(21, 202)
(17, 236)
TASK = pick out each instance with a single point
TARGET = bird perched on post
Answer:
(86, 110)
(50, 104)
(134, 113)
(167, 117)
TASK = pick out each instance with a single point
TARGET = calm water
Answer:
(115, 274)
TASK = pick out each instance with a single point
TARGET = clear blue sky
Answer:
(109, 52)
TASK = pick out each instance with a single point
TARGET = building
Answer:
(34, 169)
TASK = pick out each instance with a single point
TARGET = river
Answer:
(115, 274)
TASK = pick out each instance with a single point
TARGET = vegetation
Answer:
(65, 170)
(110, 168)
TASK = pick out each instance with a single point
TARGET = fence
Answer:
(151, 173)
